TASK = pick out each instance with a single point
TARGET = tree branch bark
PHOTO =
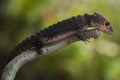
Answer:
(14, 65)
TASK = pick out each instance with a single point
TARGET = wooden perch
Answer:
(14, 65)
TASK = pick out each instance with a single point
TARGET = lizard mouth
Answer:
(106, 30)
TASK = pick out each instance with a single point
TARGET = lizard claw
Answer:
(83, 38)
(96, 38)
(87, 41)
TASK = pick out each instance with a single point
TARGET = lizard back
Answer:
(37, 40)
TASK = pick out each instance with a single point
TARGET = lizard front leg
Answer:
(80, 34)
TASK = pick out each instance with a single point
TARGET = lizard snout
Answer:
(109, 30)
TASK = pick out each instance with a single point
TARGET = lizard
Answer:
(56, 32)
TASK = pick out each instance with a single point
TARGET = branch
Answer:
(14, 65)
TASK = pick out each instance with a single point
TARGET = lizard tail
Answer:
(28, 43)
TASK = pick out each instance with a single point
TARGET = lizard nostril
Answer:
(110, 29)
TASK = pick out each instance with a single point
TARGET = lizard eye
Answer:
(107, 23)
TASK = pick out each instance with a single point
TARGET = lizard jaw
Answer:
(105, 30)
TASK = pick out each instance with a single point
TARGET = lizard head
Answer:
(101, 24)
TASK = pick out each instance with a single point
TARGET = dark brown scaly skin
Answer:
(56, 32)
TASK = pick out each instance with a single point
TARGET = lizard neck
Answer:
(88, 19)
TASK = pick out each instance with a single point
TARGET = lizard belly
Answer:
(59, 37)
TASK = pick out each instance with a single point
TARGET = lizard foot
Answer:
(82, 37)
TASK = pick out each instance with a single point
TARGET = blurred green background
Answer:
(97, 60)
